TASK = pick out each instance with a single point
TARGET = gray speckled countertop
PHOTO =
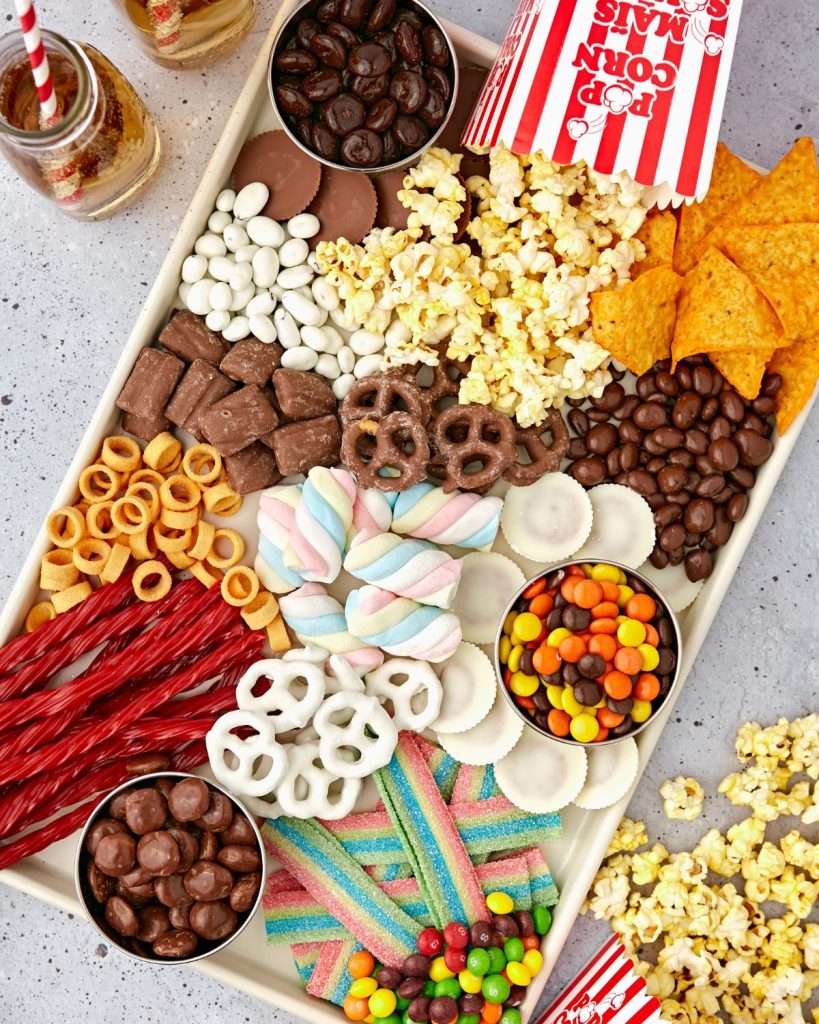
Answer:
(69, 295)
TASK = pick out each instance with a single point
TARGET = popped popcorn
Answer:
(682, 798)
(720, 957)
(519, 311)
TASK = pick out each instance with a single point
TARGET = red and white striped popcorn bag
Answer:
(606, 991)
(634, 85)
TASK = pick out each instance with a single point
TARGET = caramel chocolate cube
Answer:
(151, 384)
(235, 422)
(189, 337)
(201, 386)
(145, 429)
(252, 361)
(252, 469)
(300, 446)
(303, 395)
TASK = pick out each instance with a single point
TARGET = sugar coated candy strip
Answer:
(322, 866)
(330, 979)
(305, 957)
(431, 841)
(544, 890)
(443, 767)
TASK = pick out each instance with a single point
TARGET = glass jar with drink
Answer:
(102, 147)
(188, 33)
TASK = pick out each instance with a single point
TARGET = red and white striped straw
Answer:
(38, 59)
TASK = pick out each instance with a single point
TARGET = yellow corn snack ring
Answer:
(142, 544)
(99, 522)
(277, 636)
(179, 520)
(221, 499)
(237, 549)
(99, 483)
(202, 464)
(163, 453)
(206, 574)
(65, 527)
(180, 559)
(121, 454)
(57, 570)
(91, 555)
(202, 540)
(179, 493)
(161, 581)
(146, 476)
(169, 539)
(261, 611)
(63, 600)
(115, 565)
(147, 492)
(39, 615)
(239, 586)
(130, 514)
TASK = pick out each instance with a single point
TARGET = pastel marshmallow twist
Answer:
(354, 723)
(295, 692)
(322, 520)
(458, 518)
(401, 626)
(405, 566)
(276, 520)
(253, 766)
(317, 618)
(372, 512)
(408, 689)
(310, 789)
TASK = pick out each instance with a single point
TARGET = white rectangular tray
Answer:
(248, 964)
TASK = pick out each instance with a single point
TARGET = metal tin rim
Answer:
(653, 590)
(381, 168)
(136, 780)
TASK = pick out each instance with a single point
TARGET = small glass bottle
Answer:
(188, 33)
(103, 150)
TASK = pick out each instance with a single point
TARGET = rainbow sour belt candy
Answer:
(407, 567)
(457, 518)
(305, 957)
(431, 841)
(401, 626)
(476, 782)
(330, 979)
(332, 877)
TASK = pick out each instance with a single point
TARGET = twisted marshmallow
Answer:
(323, 517)
(316, 617)
(372, 512)
(406, 567)
(458, 518)
(276, 519)
(401, 626)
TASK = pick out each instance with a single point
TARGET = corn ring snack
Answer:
(180, 559)
(206, 575)
(155, 591)
(57, 569)
(39, 615)
(202, 540)
(169, 539)
(220, 499)
(121, 454)
(179, 493)
(237, 549)
(202, 464)
(261, 611)
(64, 600)
(277, 636)
(99, 483)
(82, 507)
(163, 453)
(142, 544)
(91, 555)
(239, 586)
(99, 522)
(65, 527)
(116, 562)
(231, 510)
(179, 520)
(149, 494)
(130, 514)
(146, 476)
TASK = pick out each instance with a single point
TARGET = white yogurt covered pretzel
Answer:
(311, 790)
(296, 690)
(251, 767)
(411, 688)
(353, 721)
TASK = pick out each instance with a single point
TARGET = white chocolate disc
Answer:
(469, 684)
(488, 741)
(673, 584)
(549, 520)
(488, 584)
(612, 769)
(622, 527)
(541, 775)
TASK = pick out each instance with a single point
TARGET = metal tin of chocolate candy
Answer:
(95, 912)
(308, 8)
(661, 702)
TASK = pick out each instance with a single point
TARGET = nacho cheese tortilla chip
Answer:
(721, 311)
(657, 234)
(788, 195)
(635, 323)
(798, 365)
(731, 178)
(744, 370)
(783, 262)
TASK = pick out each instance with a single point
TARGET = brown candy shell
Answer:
(345, 205)
(292, 176)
